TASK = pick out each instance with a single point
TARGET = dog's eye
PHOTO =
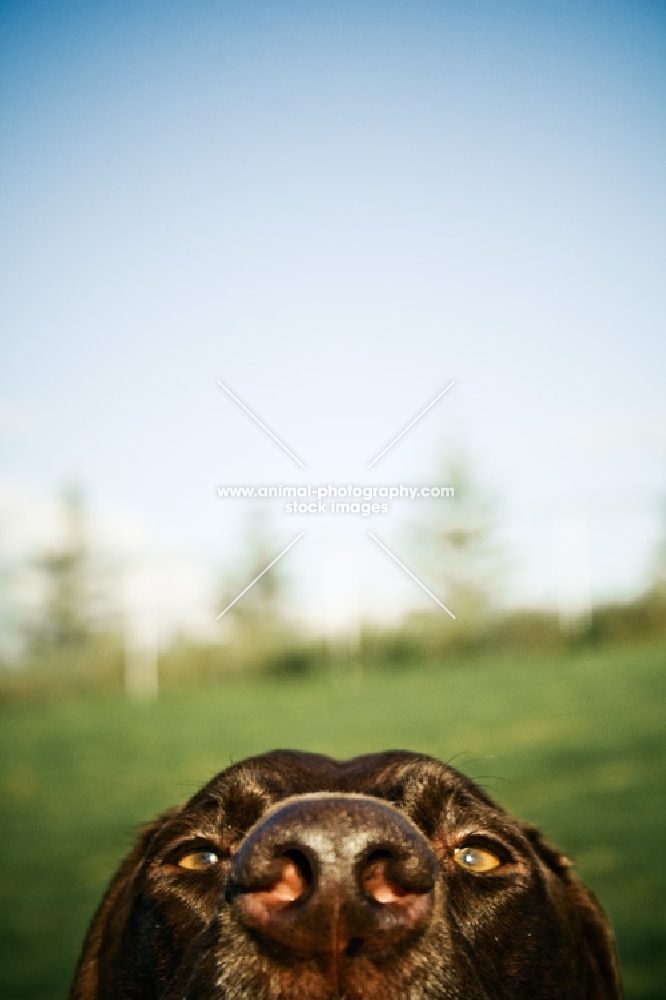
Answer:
(476, 859)
(198, 860)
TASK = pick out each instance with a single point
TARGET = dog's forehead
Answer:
(421, 785)
(294, 772)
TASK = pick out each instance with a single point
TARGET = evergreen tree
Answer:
(458, 545)
(65, 622)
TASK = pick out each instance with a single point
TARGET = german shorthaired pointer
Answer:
(293, 876)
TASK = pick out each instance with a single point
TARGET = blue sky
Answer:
(336, 209)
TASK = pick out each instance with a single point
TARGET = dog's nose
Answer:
(334, 873)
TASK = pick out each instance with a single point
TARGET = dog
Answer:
(391, 876)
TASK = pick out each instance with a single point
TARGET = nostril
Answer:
(374, 877)
(291, 882)
(288, 888)
(301, 862)
(296, 876)
(385, 881)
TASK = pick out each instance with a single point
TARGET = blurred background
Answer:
(335, 210)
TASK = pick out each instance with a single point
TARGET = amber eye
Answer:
(476, 859)
(198, 860)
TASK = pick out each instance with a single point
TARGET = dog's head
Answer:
(389, 876)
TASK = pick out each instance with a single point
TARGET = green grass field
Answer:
(576, 745)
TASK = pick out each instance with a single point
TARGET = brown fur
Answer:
(528, 929)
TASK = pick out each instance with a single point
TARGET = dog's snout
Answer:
(334, 873)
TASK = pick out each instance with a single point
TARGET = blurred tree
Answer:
(657, 583)
(458, 545)
(261, 608)
(65, 619)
